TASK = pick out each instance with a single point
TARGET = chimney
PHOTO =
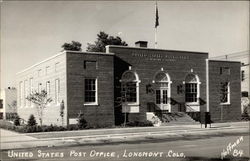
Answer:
(141, 44)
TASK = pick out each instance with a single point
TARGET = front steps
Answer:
(177, 118)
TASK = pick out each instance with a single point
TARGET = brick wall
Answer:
(96, 115)
(147, 62)
(231, 111)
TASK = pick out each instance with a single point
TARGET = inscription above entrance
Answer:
(160, 57)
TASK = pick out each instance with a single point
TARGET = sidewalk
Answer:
(13, 140)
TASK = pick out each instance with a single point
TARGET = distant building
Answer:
(136, 81)
(8, 103)
(244, 58)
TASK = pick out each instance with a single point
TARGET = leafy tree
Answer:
(32, 120)
(73, 46)
(104, 39)
(41, 100)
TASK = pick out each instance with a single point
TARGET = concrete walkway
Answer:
(9, 139)
(13, 140)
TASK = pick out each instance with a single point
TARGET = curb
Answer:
(125, 138)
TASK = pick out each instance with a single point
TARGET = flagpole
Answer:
(156, 22)
(155, 37)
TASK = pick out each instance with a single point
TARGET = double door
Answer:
(162, 99)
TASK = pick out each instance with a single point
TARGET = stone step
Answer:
(179, 118)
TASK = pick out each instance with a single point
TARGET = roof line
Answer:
(145, 48)
(60, 53)
(225, 61)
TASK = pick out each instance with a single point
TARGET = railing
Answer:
(190, 109)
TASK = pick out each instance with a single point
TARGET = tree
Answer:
(73, 46)
(41, 100)
(32, 120)
(104, 39)
(81, 122)
(126, 90)
(62, 110)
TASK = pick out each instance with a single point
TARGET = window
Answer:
(88, 64)
(48, 88)
(47, 70)
(26, 92)
(225, 70)
(31, 89)
(39, 87)
(57, 91)
(191, 92)
(244, 94)
(164, 97)
(129, 91)
(158, 96)
(56, 66)
(31, 85)
(225, 93)
(242, 75)
(192, 88)
(21, 93)
(90, 90)
(1, 103)
(162, 92)
(39, 72)
(130, 87)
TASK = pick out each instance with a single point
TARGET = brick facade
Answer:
(76, 73)
(226, 112)
(73, 68)
(146, 63)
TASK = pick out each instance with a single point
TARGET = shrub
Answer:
(17, 121)
(73, 127)
(32, 120)
(81, 122)
(139, 123)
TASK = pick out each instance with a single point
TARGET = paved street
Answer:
(186, 149)
(147, 143)
(13, 140)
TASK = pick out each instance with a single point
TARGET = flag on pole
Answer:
(156, 16)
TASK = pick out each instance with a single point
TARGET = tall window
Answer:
(31, 85)
(90, 90)
(26, 92)
(1, 103)
(191, 88)
(162, 92)
(39, 87)
(48, 88)
(225, 93)
(56, 66)
(47, 70)
(130, 87)
(31, 89)
(39, 72)
(21, 93)
(129, 91)
(57, 91)
(242, 75)
(191, 92)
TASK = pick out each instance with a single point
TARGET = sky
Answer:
(32, 31)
